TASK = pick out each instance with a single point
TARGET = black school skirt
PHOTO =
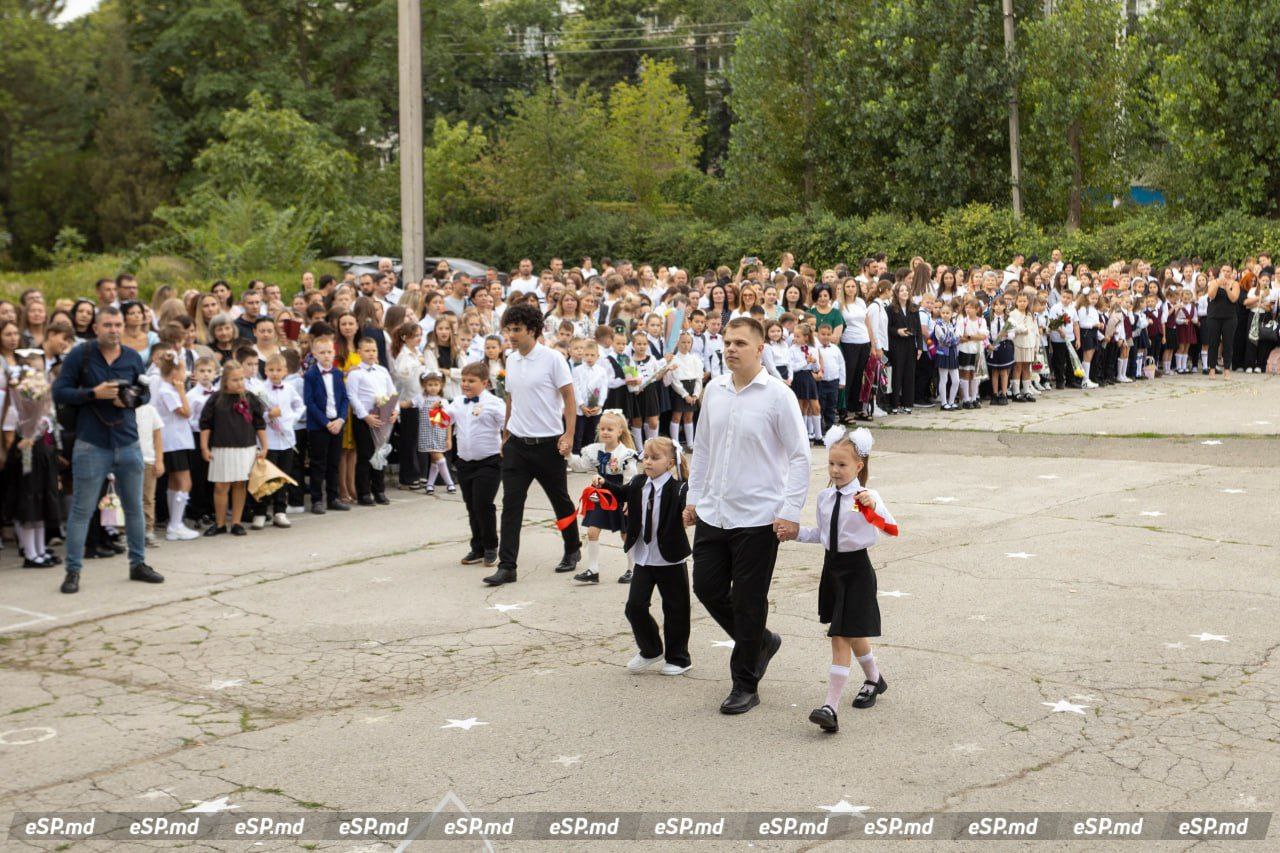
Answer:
(847, 595)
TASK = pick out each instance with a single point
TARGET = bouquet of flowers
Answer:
(500, 384)
(33, 402)
(1056, 323)
(593, 399)
(384, 406)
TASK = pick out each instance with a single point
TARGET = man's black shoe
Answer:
(472, 558)
(772, 643)
(146, 574)
(92, 552)
(381, 500)
(71, 583)
(500, 577)
(739, 702)
(365, 500)
(116, 547)
(339, 506)
(569, 562)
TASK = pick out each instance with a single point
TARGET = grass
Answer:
(72, 281)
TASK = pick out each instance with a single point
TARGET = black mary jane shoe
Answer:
(587, 576)
(870, 690)
(215, 530)
(825, 718)
(42, 562)
(238, 530)
(739, 702)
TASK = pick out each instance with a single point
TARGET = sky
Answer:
(76, 8)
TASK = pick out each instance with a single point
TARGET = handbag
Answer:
(1269, 333)
(110, 509)
(1149, 367)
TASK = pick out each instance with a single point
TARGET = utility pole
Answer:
(1015, 148)
(411, 236)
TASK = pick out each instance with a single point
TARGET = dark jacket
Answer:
(100, 422)
(910, 320)
(314, 396)
(672, 540)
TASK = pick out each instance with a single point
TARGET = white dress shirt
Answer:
(477, 426)
(196, 398)
(533, 389)
(832, 363)
(176, 430)
(409, 367)
(588, 379)
(750, 454)
(856, 533)
(280, 431)
(365, 384)
(713, 354)
(648, 553)
(330, 402)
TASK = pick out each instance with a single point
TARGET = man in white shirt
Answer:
(541, 417)
(526, 281)
(747, 486)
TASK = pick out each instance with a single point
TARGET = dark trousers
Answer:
(828, 397)
(201, 501)
(479, 482)
(407, 446)
(1244, 316)
(522, 464)
(925, 374)
(902, 358)
(326, 453)
(732, 570)
(275, 502)
(296, 493)
(369, 480)
(673, 586)
(855, 365)
(1219, 331)
(584, 430)
(1060, 364)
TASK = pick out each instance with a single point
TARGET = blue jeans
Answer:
(90, 466)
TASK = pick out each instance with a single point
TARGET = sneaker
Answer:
(675, 669)
(281, 519)
(259, 522)
(295, 510)
(152, 540)
(1125, 379)
(640, 663)
(1088, 384)
(181, 534)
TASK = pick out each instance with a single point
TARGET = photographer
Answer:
(101, 380)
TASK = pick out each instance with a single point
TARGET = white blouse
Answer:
(855, 532)
(855, 323)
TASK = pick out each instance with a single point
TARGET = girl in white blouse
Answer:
(850, 519)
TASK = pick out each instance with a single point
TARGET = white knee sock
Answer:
(593, 555)
(869, 668)
(432, 470)
(650, 432)
(837, 677)
(688, 435)
(1120, 371)
(638, 437)
(38, 535)
(177, 502)
(26, 540)
(1204, 358)
(973, 388)
(953, 386)
(443, 467)
(1088, 365)
(674, 429)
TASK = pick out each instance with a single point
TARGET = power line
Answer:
(640, 32)
(532, 53)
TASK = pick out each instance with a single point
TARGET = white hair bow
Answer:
(860, 438)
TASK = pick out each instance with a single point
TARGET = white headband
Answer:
(860, 438)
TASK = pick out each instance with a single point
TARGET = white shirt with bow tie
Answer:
(280, 431)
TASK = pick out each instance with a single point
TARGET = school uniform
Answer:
(1090, 319)
(590, 383)
(833, 379)
(233, 439)
(847, 588)
(616, 466)
(325, 395)
(1059, 339)
(1001, 357)
(658, 545)
(803, 383)
(618, 393)
(781, 352)
(713, 356)
(281, 436)
(685, 379)
(477, 437)
(644, 402)
(301, 457)
(365, 384)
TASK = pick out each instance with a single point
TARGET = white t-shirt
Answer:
(855, 322)
(148, 424)
(177, 432)
(533, 387)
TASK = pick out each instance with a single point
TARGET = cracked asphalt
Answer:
(1079, 549)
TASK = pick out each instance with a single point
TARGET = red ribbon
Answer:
(438, 417)
(604, 500)
(876, 520)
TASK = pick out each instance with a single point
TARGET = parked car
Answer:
(361, 264)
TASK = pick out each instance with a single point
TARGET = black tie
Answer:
(834, 544)
(648, 515)
(471, 399)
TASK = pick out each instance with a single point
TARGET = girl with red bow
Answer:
(613, 457)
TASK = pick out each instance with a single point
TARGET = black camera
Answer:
(129, 395)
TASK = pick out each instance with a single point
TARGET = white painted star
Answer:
(1063, 705)
(897, 593)
(1175, 645)
(967, 748)
(1020, 555)
(1048, 477)
(566, 760)
(212, 806)
(503, 608)
(844, 807)
(466, 725)
(946, 500)
(1205, 638)
(979, 617)
(217, 684)
(1152, 513)
(722, 644)
(1233, 491)
(1213, 442)
(154, 794)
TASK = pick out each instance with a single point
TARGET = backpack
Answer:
(68, 415)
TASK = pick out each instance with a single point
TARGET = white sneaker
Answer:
(1088, 384)
(295, 510)
(879, 413)
(181, 534)
(640, 663)
(281, 520)
(152, 541)
(1124, 379)
(672, 669)
(259, 522)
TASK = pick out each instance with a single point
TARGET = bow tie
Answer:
(278, 387)
(713, 337)
(470, 399)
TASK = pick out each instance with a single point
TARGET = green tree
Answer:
(652, 132)
(1073, 88)
(1214, 91)
(451, 172)
(549, 158)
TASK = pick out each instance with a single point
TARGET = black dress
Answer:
(33, 498)
(847, 595)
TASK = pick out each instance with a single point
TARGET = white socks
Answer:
(26, 534)
(837, 677)
(593, 555)
(1087, 366)
(688, 435)
(650, 432)
(948, 385)
(1204, 359)
(869, 668)
(177, 502)
(443, 467)
(638, 437)
(1120, 369)
(814, 425)
(674, 429)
